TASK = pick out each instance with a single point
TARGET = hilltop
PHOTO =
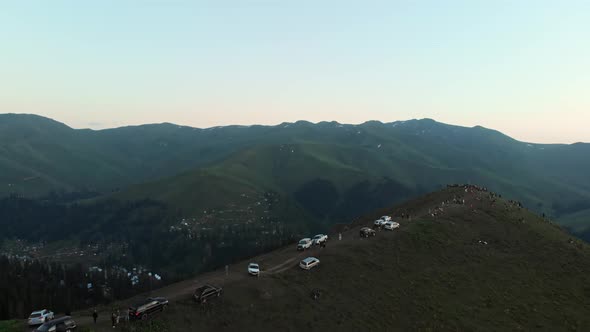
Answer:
(483, 265)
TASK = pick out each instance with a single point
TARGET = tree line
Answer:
(28, 285)
(144, 229)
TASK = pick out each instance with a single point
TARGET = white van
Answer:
(309, 263)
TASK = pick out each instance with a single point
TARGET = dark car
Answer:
(366, 232)
(148, 307)
(207, 292)
(62, 324)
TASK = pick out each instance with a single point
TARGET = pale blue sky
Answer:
(522, 67)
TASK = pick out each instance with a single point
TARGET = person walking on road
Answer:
(95, 316)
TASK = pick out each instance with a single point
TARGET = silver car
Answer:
(40, 317)
(309, 263)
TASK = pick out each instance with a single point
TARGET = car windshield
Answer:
(137, 305)
(43, 328)
(35, 315)
(302, 242)
(254, 266)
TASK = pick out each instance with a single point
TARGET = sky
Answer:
(521, 67)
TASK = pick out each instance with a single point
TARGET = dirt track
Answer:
(271, 263)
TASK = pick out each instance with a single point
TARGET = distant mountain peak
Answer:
(373, 123)
(25, 118)
(13, 126)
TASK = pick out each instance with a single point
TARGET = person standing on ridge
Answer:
(94, 315)
(113, 318)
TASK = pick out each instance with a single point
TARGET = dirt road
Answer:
(271, 263)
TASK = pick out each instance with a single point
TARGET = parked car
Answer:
(206, 293)
(367, 232)
(380, 222)
(145, 309)
(62, 324)
(309, 263)
(304, 244)
(253, 269)
(391, 225)
(40, 317)
(386, 218)
(318, 239)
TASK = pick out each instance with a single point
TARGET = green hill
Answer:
(335, 182)
(486, 265)
(350, 168)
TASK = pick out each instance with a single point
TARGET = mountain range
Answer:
(327, 171)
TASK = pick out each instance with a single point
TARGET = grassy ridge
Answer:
(431, 275)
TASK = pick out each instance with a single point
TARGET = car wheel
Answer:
(144, 317)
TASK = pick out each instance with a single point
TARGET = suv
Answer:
(309, 263)
(318, 239)
(391, 225)
(62, 324)
(204, 293)
(148, 307)
(40, 317)
(304, 244)
(366, 232)
(253, 269)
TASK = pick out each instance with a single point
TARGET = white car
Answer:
(379, 222)
(309, 263)
(304, 244)
(319, 238)
(40, 317)
(386, 218)
(253, 269)
(391, 225)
